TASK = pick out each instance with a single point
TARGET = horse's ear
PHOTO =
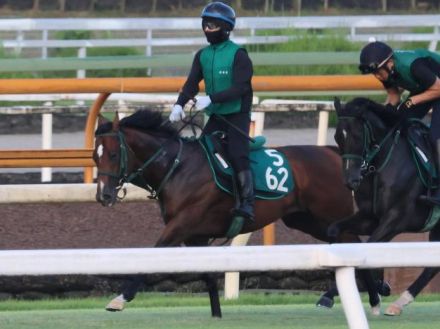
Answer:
(338, 106)
(115, 125)
(102, 120)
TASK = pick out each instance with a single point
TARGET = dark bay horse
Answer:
(148, 151)
(378, 165)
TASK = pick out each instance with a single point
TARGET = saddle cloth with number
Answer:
(272, 174)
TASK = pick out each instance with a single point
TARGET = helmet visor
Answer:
(373, 67)
(368, 69)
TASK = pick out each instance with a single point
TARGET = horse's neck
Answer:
(186, 154)
(398, 175)
(154, 157)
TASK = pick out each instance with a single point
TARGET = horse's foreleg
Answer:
(211, 282)
(372, 289)
(127, 295)
(417, 286)
(408, 296)
(327, 299)
(132, 287)
(358, 224)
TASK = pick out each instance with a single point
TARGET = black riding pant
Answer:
(421, 110)
(237, 148)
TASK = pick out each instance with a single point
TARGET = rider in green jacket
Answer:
(416, 71)
(227, 71)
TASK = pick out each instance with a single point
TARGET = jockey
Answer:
(416, 71)
(226, 70)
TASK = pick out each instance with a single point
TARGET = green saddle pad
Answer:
(419, 144)
(272, 174)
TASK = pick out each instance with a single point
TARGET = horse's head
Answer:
(356, 132)
(133, 150)
(110, 160)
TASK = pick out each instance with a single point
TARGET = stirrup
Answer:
(248, 216)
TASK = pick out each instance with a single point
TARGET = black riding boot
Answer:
(434, 198)
(246, 194)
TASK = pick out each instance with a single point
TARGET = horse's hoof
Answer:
(326, 302)
(116, 305)
(393, 310)
(375, 310)
(383, 288)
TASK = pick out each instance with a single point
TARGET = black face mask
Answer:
(392, 76)
(217, 36)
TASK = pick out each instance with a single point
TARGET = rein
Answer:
(370, 151)
(371, 148)
(124, 177)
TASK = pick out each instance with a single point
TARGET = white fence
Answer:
(53, 193)
(156, 32)
(343, 258)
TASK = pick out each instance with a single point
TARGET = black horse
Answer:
(149, 152)
(378, 164)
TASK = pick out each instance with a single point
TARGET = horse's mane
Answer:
(360, 106)
(145, 120)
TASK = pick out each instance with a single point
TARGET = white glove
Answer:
(177, 113)
(202, 102)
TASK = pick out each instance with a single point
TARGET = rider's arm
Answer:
(242, 75)
(393, 96)
(191, 86)
(429, 81)
(393, 93)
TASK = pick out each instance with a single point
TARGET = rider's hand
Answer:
(177, 113)
(405, 105)
(202, 102)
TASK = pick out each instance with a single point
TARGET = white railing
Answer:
(359, 28)
(54, 193)
(342, 258)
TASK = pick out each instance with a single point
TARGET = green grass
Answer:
(181, 311)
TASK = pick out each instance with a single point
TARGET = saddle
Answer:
(271, 171)
(420, 145)
(421, 149)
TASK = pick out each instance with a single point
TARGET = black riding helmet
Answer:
(221, 11)
(374, 56)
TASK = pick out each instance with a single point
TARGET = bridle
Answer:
(123, 176)
(371, 147)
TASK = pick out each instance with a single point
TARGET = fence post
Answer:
(81, 74)
(433, 43)
(19, 38)
(322, 128)
(350, 298)
(82, 53)
(149, 49)
(44, 37)
(46, 137)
